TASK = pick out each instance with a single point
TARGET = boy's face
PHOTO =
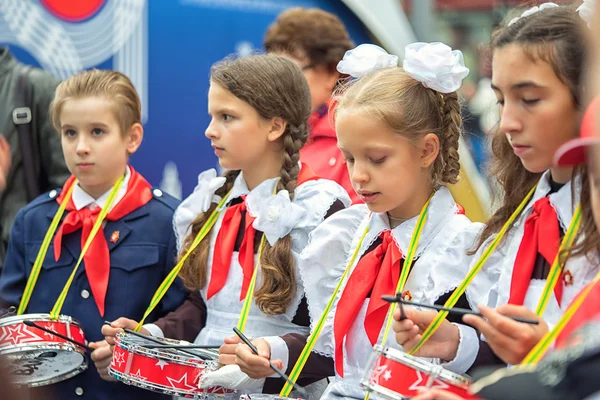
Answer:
(95, 150)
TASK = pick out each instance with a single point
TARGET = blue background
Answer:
(185, 38)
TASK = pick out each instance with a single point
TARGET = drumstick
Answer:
(455, 310)
(68, 339)
(273, 367)
(152, 340)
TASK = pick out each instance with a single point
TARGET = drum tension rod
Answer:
(9, 311)
(274, 368)
(50, 331)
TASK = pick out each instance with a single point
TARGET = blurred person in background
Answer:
(316, 40)
(31, 159)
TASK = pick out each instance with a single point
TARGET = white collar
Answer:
(240, 188)
(562, 200)
(441, 208)
(82, 199)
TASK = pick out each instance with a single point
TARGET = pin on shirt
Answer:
(114, 237)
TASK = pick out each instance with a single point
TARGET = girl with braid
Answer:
(399, 130)
(541, 110)
(259, 107)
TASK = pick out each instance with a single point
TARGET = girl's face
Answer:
(538, 113)
(95, 149)
(241, 138)
(388, 172)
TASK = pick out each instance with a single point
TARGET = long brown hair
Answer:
(411, 110)
(556, 36)
(274, 87)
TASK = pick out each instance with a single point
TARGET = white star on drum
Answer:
(182, 382)
(17, 334)
(437, 384)
(161, 364)
(138, 376)
(387, 375)
(51, 327)
(118, 358)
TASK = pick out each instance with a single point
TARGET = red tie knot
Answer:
(542, 205)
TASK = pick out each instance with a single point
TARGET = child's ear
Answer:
(278, 126)
(430, 148)
(135, 135)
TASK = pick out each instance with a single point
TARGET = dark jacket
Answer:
(53, 170)
(141, 257)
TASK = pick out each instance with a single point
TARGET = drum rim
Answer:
(75, 371)
(155, 387)
(380, 390)
(178, 357)
(401, 357)
(39, 317)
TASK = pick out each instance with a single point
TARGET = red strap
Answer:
(541, 235)
(376, 273)
(97, 258)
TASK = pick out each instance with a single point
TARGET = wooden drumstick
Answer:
(152, 340)
(273, 367)
(50, 331)
(455, 310)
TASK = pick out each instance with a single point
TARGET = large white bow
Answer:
(365, 59)
(435, 65)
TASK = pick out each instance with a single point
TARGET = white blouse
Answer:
(492, 285)
(312, 200)
(442, 264)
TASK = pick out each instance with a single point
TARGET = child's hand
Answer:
(254, 366)
(509, 339)
(227, 351)
(102, 357)
(110, 331)
(442, 344)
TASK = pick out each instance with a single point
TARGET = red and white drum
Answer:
(33, 357)
(394, 375)
(167, 371)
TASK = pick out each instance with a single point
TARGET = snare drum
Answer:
(167, 371)
(394, 375)
(33, 357)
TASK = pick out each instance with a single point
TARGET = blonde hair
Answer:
(274, 87)
(411, 110)
(111, 85)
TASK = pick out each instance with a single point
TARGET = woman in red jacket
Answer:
(316, 40)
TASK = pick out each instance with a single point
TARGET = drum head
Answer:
(42, 366)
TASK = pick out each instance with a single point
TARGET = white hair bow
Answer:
(364, 59)
(533, 10)
(586, 11)
(435, 65)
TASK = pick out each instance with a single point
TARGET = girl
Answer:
(98, 115)
(259, 107)
(398, 129)
(540, 111)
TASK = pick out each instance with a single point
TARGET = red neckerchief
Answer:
(377, 273)
(541, 235)
(97, 258)
(226, 238)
